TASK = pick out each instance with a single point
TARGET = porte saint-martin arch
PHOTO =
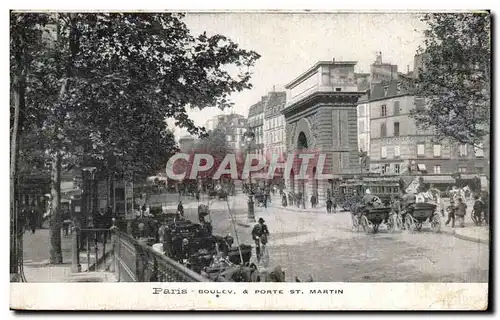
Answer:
(320, 115)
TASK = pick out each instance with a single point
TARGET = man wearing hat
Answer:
(259, 235)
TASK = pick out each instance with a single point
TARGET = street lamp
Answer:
(249, 138)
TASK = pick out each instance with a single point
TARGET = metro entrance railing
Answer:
(128, 258)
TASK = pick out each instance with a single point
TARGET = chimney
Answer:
(333, 60)
(407, 68)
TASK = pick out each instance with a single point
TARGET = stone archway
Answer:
(302, 141)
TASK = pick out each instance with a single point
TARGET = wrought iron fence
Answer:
(95, 245)
(135, 261)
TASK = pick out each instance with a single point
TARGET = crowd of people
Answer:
(298, 199)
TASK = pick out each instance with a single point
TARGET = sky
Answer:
(290, 43)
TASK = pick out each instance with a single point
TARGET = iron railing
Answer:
(135, 261)
(95, 245)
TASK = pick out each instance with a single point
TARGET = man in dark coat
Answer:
(180, 208)
(259, 235)
(32, 220)
(329, 204)
(478, 209)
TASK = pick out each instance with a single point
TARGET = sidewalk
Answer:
(38, 269)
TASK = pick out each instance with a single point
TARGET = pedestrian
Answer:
(460, 212)
(290, 198)
(451, 216)
(313, 201)
(329, 204)
(486, 201)
(180, 208)
(260, 234)
(198, 195)
(31, 218)
(334, 206)
(283, 200)
(167, 242)
(478, 209)
(266, 195)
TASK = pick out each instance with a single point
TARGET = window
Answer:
(437, 169)
(420, 149)
(396, 129)
(437, 150)
(383, 130)
(396, 151)
(383, 111)
(462, 169)
(396, 108)
(479, 170)
(228, 138)
(386, 168)
(462, 150)
(419, 104)
(383, 152)
(397, 168)
(479, 151)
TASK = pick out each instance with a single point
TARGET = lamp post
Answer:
(249, 138)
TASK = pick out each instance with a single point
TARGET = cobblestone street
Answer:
(325, 247)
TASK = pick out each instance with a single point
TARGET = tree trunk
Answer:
(14, 221)
(55, 219)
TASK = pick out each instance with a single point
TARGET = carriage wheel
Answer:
(436, 223)
(365, 223)
(399, 222)
(391, 223)
(409, 224)
(355, 222)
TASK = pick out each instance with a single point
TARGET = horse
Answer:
(309, 279)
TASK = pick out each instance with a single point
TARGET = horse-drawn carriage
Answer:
(371, 213)
(417, 213)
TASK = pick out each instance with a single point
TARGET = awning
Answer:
(439, 179)
(421, 167)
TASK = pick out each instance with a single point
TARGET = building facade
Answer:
(320, 114)
(187, 143)
(234, 126)
(256, 125)
(398, 146)
(274, 124)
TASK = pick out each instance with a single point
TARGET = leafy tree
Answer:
(455, 79)
(217, 146)
(106, 83)
(26, 41)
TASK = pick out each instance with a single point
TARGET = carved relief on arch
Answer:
(290, 135)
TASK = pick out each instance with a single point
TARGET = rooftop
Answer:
(311, 70)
